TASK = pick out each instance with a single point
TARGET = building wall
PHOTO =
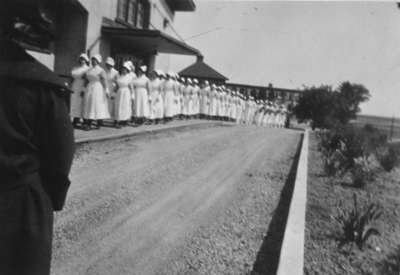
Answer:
(159, 11)
(70, 41)
(97, 9)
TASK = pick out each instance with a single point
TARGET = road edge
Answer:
(81, 141)
(291, 260)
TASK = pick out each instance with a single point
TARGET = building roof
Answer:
(202, 70)
(145, 40)
(182, 5)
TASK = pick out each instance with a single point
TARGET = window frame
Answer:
(123, 14)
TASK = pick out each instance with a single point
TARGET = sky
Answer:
(292, 44)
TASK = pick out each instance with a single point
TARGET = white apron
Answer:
(95, 103)
(169, 98)
(111, 77)
(186, 99)
(142, 106)
(78, 87)
(157, 103)
(122, 101)
(213, 103)
(204, 94)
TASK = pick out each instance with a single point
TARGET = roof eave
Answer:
(184, 5)
(151, 33)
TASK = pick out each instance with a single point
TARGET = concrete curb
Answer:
(291, 261)
(80, 141)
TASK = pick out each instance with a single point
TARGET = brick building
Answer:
(267, 92)
(138, 30)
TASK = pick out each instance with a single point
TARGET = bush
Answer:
(351, 149)
(363, 171)
(357, 223)
(388, 158)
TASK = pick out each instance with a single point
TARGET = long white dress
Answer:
(204, 100)
(213, 102)
(157, 102)
(133, 77)
(78, 88)
(111, 77)
(219, 104)
(179, 98)
(95, 102)
(142, 106)
(186, 99)
(194, 100)
(232, 107)
(169, 98)
(122, 101)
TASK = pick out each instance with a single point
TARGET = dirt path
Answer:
(136, 205)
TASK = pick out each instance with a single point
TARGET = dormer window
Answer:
(135, 13)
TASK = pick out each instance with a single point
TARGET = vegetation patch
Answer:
(352, 227)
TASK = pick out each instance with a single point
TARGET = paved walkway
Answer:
(109, 132)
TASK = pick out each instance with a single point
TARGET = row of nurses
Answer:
(107, 94)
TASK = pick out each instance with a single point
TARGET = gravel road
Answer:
(179, 202)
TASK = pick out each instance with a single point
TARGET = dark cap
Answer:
(29, 22)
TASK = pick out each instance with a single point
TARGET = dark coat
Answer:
(36, 151)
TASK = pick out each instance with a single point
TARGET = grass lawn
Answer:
(322, 255)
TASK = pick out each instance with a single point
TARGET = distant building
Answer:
(202, 71)
(267, 92)
(138, 30)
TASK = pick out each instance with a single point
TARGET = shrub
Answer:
(343, 146)
(363, 171)
(388, 158)
(357, 223)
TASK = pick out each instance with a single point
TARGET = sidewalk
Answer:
(109, 132)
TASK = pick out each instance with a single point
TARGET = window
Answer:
(122, 8)
(131, 19)
(133, 12)
(140, 15)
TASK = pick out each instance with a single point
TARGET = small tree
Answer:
(326, 108)
(315, 105)
(348, 98)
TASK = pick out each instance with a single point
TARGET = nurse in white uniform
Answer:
(157, 103)
(179, 96)
(141, 86)
(78, 88)
(204, 99)
(195, 99)
(176, 99)
(169, 97)
(112, 75)
(96, 96)
(187, 98)
(133, 75)
(213, 102)
(122, 101)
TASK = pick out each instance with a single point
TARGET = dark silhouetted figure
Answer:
(36, 146)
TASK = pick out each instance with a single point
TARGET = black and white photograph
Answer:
(199, 137)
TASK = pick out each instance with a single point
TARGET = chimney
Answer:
(200, 58)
